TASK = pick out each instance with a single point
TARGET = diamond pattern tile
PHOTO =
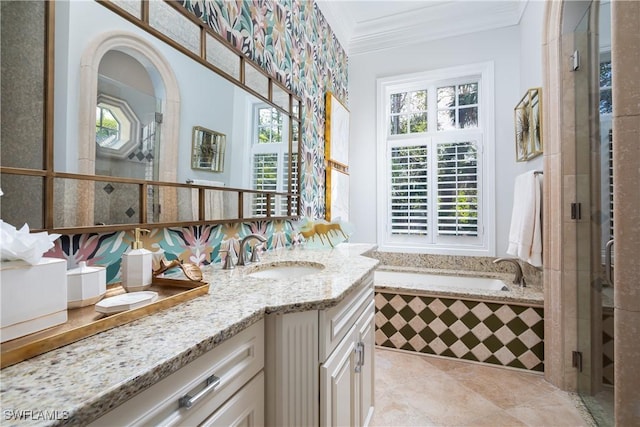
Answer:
(495, 333)
(607, 346)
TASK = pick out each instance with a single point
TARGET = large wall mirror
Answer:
(119, 114)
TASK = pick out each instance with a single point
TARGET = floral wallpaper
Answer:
(292, 41)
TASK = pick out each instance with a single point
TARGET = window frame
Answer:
(483, 73)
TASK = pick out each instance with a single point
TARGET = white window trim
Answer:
(485, 72)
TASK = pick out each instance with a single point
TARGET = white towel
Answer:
(525, 234)
(213, 206)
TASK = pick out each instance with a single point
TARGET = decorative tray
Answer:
(86, 321)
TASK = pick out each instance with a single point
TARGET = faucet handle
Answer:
(228, 260)
(255, 252)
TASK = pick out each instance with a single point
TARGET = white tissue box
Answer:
(33, 297)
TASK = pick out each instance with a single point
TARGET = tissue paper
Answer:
(22, 245)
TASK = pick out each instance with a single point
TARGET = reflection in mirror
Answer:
(222, 57)
(269, 158)
(175, 25)
(280, 97)
(22, 200)
(22, 109)
(254, 79)
(134, 7)
(207, 150)
(95, 127)
(116, 203)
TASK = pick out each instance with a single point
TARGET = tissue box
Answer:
(33, 297)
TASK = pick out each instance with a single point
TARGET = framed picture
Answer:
(336, 133)
(337, 195)
(207, 149)
(528, 125)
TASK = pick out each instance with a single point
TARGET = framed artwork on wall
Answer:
(528, 125)
(207, 149)
(337, 195)
(336, 131)
(336, 159)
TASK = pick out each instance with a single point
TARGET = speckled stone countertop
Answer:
(78, 383)
(530, 295)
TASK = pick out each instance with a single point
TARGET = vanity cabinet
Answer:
(319, 364)
(224, 387)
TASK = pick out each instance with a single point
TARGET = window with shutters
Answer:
(270, 160)
(433, 184)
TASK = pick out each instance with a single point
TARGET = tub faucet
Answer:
(519, 278)
(243, 244)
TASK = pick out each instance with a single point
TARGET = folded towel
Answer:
(213, 200)
(525, 234)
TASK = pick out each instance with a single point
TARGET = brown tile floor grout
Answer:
(419, 390)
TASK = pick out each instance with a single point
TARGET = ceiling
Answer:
(364, 26)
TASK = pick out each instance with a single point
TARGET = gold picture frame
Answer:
(207, 149)
(336, 154)
(528, 125)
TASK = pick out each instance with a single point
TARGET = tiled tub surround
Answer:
(503, 328)
(88, 378)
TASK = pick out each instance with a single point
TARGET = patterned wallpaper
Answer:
(292, 41)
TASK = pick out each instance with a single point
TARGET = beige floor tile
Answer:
(416, 390)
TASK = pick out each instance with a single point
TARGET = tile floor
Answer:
(415, 390)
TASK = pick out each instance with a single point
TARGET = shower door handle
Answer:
(607, 262)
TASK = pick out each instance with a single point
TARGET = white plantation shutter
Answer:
(294, 182)
(409, 190)
(457, 189)
(265, 177)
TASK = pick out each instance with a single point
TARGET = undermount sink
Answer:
(285, 270)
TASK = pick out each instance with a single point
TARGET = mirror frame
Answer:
(49, 175)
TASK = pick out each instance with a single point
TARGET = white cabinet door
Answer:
(244, 409)
(366, 375)
(338, 387)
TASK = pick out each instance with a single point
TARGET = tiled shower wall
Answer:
(489, 332)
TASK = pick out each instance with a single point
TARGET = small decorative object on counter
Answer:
(137, 265)
(323, 234)
(85, 285)
(190, 270)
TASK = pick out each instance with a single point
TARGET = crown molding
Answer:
(429, 20)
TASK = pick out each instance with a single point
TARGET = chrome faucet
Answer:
(243, 244)
(519, 278)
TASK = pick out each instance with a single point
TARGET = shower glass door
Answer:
(594, 162)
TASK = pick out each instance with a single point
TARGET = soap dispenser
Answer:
(137, 266)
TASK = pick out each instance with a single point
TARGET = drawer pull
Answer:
(188, 401)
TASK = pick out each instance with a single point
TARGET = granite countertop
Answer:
(78, 383)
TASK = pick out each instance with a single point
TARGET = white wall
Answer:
(501, 46)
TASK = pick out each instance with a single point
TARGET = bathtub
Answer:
(472, 316)
(426, 281)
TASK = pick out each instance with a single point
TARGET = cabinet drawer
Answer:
(234, 362)
(245, 408)
(335, 322)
